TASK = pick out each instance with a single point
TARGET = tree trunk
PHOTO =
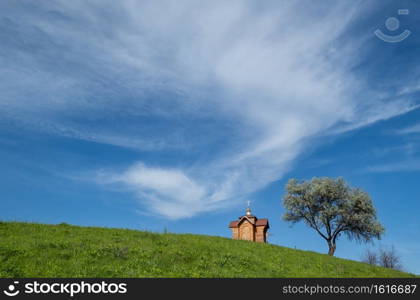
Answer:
(331, 249)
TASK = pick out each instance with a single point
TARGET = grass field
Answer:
(38, 250)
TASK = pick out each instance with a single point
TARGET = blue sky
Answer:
(173, 114)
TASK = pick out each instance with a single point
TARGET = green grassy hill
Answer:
(37, 250)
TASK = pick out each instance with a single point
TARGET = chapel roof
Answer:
(258, 222)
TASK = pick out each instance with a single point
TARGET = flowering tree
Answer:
(332, 208)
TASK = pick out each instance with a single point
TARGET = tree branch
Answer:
(337, 231)
(328, 227)
(314, 226)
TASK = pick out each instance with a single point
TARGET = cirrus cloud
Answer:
(238, 90)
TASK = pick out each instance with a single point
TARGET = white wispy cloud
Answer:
(253, 83)
(411, 165)
(380, 111)
(168, 192)
(410, 88)
(414, 129)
